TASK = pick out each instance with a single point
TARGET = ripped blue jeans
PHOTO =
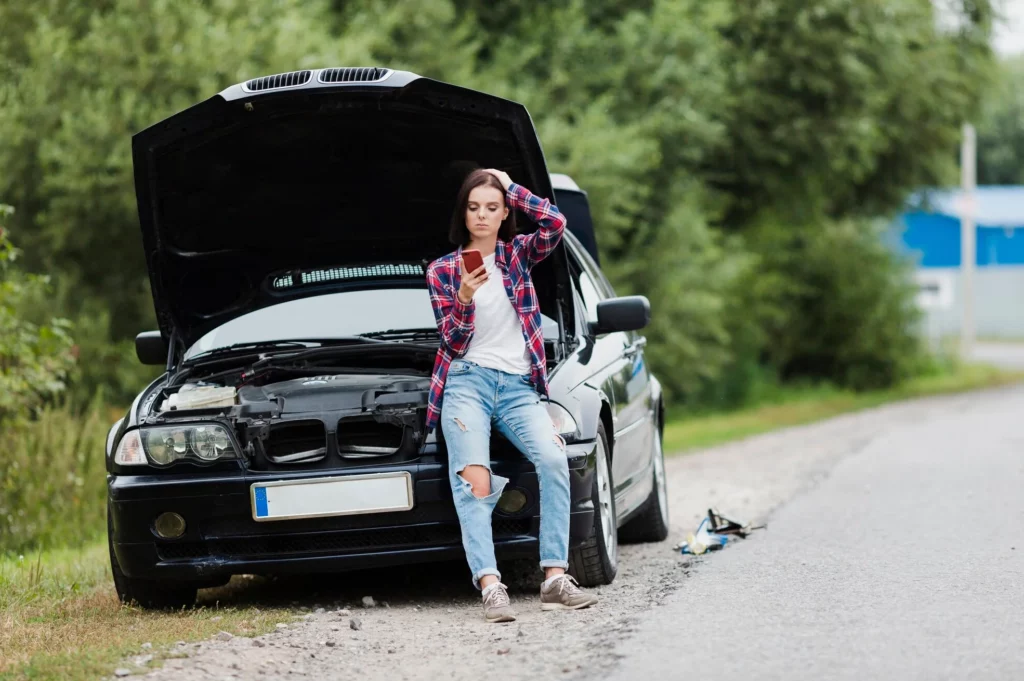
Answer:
(475, 399)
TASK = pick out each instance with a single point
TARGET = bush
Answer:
(52, 481)
(842, 304)
(35, 359)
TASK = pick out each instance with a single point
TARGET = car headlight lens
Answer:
(210, 442)
(168, 444)
(563, 421)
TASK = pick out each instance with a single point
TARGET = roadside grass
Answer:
(60, 619)
(800, 405)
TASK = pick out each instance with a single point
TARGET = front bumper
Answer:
(221, 537)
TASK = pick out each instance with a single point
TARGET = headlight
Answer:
(207, 442)
(564, 423)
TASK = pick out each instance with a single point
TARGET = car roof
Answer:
(563, 182)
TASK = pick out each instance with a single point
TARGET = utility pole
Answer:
(967, 237)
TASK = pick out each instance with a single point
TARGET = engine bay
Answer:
(310, 421)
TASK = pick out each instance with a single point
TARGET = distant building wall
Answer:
(998, 301)
(932, 238)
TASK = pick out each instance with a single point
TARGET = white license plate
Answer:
(338, 495)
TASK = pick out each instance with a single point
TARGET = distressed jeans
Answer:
(476, 399)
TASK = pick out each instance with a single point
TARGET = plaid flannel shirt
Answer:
(514, 260)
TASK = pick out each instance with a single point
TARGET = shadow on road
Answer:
(425, 584)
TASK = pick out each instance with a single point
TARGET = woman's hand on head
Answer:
(471, 281)
(502, 177)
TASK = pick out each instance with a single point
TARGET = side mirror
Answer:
(627, 313)
(151, 348)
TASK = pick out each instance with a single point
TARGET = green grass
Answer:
(60, 619)
(796, 406)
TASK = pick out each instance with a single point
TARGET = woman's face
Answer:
(485, 212)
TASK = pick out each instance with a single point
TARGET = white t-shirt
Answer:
(497, 341)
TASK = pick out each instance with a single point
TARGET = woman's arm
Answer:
(453, 317)
(540, 243)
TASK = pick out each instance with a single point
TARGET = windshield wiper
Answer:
(404, 334)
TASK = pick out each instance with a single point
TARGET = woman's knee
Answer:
(479, 479)
(552, 458)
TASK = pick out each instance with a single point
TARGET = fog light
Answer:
(512, 501)
(169, 525)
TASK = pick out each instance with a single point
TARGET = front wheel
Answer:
(596, 560)
(149, 593)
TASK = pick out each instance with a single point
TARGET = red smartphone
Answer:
(472, 260)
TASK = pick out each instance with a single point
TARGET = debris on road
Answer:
(713, 533)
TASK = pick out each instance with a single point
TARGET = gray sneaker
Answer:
(564, 594)
(496, 605)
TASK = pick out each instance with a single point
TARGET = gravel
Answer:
(434, 626)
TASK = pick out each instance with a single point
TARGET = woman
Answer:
(489, 370)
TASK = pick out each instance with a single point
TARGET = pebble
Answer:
(319, 611)
(391, 651)
(281, 626)
(218, 618)
(355, 624)
(368, 602)
(258, 643)
(225, 636)
(342, 612)
(147, 646)
(143, 660)
(329, 644)
(503, 651)
(121, 671)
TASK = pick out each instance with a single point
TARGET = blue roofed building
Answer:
(930, 233)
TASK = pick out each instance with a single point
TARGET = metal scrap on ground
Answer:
(714, 532)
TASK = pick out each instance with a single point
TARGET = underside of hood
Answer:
(291, 173)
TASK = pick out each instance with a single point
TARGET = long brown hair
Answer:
(458, 233)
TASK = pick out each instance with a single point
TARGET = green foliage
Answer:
(52, 482)
(688, 122)
(35, 359)
(1001, 127)
(844, 304)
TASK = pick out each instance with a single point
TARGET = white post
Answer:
(967, 238)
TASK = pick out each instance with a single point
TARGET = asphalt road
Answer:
(905, 562)
(894, 549)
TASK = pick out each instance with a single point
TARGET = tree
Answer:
(1001, 127)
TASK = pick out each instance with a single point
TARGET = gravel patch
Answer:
(422, 622)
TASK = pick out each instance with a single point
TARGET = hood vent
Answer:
(367, 74)
(281, 80)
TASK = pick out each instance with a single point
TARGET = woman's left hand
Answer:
(502, 176)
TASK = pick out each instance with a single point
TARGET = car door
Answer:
(634, 422)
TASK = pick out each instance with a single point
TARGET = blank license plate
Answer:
(338, 495)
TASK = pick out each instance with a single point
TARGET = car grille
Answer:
(353, 75)
(335, 542)
(281, 80)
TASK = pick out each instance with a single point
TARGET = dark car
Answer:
(287, 224)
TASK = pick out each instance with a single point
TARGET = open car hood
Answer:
(326, 170)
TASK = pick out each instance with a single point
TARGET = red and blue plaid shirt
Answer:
(514, 260)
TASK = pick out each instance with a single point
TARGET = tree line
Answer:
(742, 158)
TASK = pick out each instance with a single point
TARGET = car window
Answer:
(591, 296)
(333, 315)
(595, 273)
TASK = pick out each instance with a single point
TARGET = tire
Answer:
(651, 525)
(151, 594)
(596, 560)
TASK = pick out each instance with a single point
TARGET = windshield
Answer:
(333, 315)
